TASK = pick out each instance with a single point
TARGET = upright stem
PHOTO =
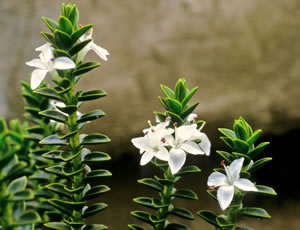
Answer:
(75, 148)
(165, 200)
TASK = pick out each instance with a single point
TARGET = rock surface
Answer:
(243, 55)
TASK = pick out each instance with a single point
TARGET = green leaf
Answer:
(95, 157)
(174, 106)
(53, 140)
(227, 133)
(58, 226)
(227, 156)
(188, 170)
(174, 118)
(95, 138)
(74, 16)
(181, 212)
(50, 93)
(185, 193)
(255, 212)
(164, 103)
(69, 109)
(23, 195)
(65, 25)
(143, 216)
(212, 193)
(92, 95)
(221, 220)
(243, 228)
(66, 206)
(62, 40)
(189, 110)
(55, 115)
(240, 132)
(167, 91)
(259, 163)
(95, 192)
(180, 90)
(161, 116)
(61, 53)
(97, 174)
(59, 189)
(93, 115)
(254, 137)
(52, 25)
(53, 155)
(258, 149)
(152, 183)
(228, 141)
(240, 146)
(95, 227)
(49, 37)
(85, 67)
(68, 171)
(93, 209)
(78, 33)
(265, 190)
(145, 201)
(173, 226)
(56, 169)
(68, 156)
(29, 217)
(135, 227)
(78, 47)
(189, 96)
(17, 185)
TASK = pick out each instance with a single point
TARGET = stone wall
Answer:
(243, 55)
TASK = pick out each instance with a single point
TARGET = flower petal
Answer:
(205, 144)
(141, 143)
(185, 132)
(245, 185)
(37, 63)
(235, 169)
(217, 179)
(225, 196)
(41, 48)
(37, 77)
(147, 156)
(47, 53)
(63, 63)
(177, 159)
(162, 154)
(192, 147)
(101, 52)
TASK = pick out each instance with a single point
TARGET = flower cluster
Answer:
(172, 144)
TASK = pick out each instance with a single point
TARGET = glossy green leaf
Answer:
(135, 227)
(167, 91)
(251, 140)
(188, 97)
(92, 95)
(173, 105)
(55, 115)
(227, 133)
(95, 227)
(258, 149)
(53, 155)
(17, 185)
(95, 157)
(180, 90)
(255, 212)
(28, 218)
(240, 132)
(69, 109)
(145, 201)
(23, 195)
(78, 47)
(143, 216)
(66, 206)
(53, 140)
(161, 116)
(58, 226)
(227, 156)
(243, 228)
(85, 67)
(174, 118)
(265, 190)
(240, 146)
(78, 33)
(181, 212)
(62, 40)
(164, 181)
(74, 16)
(185, 193)
(164, 103)
(61, 53)
(95, 138)
(221, 220)
(150, 182)
(189, 110)
(95, 192)
(56, 169)
(59, 189)
(52, 25)
(68, 171)
(93, 115)
(68, 156)
(49, 37)
(93, 209)
(212, 193)
(259, 163)
(97, 174)
(65, 25)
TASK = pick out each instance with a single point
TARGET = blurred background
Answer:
(243, 55)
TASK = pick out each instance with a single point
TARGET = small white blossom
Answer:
(228, 182)
(153, 143)
(47, 63)
(192, 117)
(101, 52)
(184, 142)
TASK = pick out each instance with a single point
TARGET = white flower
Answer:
(101, 52)
(228, 182)
(153, 143)
(184, 142)
(47, 63)
(192, 117)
